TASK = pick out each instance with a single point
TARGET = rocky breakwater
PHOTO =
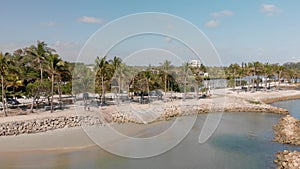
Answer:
(287, 131)
(287, 160)
(122, 117)
(170, 112)
(166, 113)
(129, 117)
(254, 107)
(45, 124)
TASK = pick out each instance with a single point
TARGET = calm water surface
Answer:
(292, 105)
(242, 140)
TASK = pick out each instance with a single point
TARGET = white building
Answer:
(195, 63)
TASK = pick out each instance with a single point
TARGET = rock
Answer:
(287, 131)
(287, 159)
(42, 125)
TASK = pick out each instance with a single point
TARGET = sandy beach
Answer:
(228, 100)
(231, 101)
(73, 138)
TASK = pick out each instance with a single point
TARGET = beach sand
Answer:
(74, 138)
(230, 98)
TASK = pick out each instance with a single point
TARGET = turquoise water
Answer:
(242, 140)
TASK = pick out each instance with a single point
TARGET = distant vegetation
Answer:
(256, 71)
(38, 71)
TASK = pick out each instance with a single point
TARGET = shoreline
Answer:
(257, 102)
(284, 98)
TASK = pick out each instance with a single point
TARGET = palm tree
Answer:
(101, 65)
(3, 71)
(185, 68)
(165, 67)
(39, 54)
(54, 65)
(255, 69)
(14, 80)
(279, 71)
(269, 73)
(116, 62)
(296, 74)
(25, 67)
(232, 72)
(258, 71)
(198, 73)
(148, 75)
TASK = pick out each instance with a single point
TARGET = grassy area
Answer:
(254, 101)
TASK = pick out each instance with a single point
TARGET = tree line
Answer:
(111, 75)
(34, 71)
(256, 71)
(38, 71)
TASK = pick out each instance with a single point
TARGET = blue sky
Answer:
(266, 31)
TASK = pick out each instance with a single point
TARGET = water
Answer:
(292, 105)
(242, 140)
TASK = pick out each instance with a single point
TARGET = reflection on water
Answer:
(242, 140)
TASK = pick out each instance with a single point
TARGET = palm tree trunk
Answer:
(60, 93)
(248, 84)
(32, 103)
(257, 83)
(279, 77)
(41, 70)
(119, 83)
(234, 82)
(148, 89)
(266, 83)
(119, 89)
(52, 92)
(102, 85)
(3, 96)
(184, 89)
(165, 83)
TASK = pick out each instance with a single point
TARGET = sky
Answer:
(240, 31)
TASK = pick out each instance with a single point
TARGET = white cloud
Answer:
(61, 44)
(212, 23)
(222, 13)
(89, 19)
(49, 23)
(270, 9)
(217, 15)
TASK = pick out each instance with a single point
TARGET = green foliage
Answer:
(203, 90)
(83, 79)
(67, 88)
(230, 83)
(27, 72)
(38, 89)
(254, 101)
